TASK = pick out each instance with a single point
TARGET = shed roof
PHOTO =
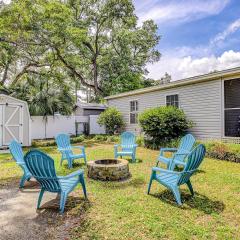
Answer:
(90, 105)
(233, 72)
(13, 98)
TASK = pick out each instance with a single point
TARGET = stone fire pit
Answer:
(108, 169)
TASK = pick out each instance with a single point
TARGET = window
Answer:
(172, 100)
(133, 112)
(232, 108)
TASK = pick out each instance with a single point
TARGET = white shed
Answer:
(15, 121)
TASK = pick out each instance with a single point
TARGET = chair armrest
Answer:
(180, 154)
(21, 164)
(80, 147)
(117, 145)
(162, 150)
(74, 174)
(168, 149)
(135, 145)
(158, 169)
(63, 149)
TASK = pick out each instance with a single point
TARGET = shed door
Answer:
(12, 123)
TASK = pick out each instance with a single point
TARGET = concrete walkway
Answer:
(19, 218)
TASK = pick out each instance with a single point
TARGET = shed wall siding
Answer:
(201, 102)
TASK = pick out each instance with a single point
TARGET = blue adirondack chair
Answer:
(127, 147)
(180, 153)
(42, 168)
(18, 156)
(173, 179)
(64, 146)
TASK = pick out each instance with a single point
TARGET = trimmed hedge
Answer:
(162, 124)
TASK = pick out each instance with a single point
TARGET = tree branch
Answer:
(26, 70)
(76, 73)
(4, 78)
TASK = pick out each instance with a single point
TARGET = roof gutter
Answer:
(201, 78)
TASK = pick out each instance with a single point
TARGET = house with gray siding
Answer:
(211, 101)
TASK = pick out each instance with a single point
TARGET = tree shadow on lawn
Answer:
(198, 201)
(73, 205)
(76, 165)
(130, 182)
(61, 225)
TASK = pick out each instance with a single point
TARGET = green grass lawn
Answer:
(123, 210)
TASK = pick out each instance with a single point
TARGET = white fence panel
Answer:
(42, 129)
(94, 127)
(37, 127)
(82, 119)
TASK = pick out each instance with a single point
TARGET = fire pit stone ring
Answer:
(108, 169)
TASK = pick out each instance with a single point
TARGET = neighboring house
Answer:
(86, 118)
(211, 101)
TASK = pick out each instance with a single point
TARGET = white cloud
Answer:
(182, 10)
(183, 67)
(232, 28)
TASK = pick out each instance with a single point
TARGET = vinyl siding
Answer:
(201, 102)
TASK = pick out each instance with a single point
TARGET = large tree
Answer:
(98, 43)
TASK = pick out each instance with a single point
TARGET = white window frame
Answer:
(133, 112)
(173, 94)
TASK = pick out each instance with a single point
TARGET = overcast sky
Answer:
(198, 36)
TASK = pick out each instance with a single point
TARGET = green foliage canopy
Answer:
(98, 43)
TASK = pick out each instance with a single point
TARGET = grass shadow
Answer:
(74, 205)
(130, 182)
(180, 169)
(31, 186)
(75, 214)
(198, 201)
(200, 171)
(76, 165)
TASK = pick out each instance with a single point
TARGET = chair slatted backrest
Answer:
(186, 145)
(63, 141)
(195, 158)
(128, 139)
(42, 168)
(16, 151)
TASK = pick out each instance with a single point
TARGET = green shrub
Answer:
(162, 124)
(112, 120)
(43, 143)
(51, 142)
(100, 137)
(78, 139)
(113, 139)
(140, 141)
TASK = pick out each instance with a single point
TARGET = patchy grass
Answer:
(123, 210)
